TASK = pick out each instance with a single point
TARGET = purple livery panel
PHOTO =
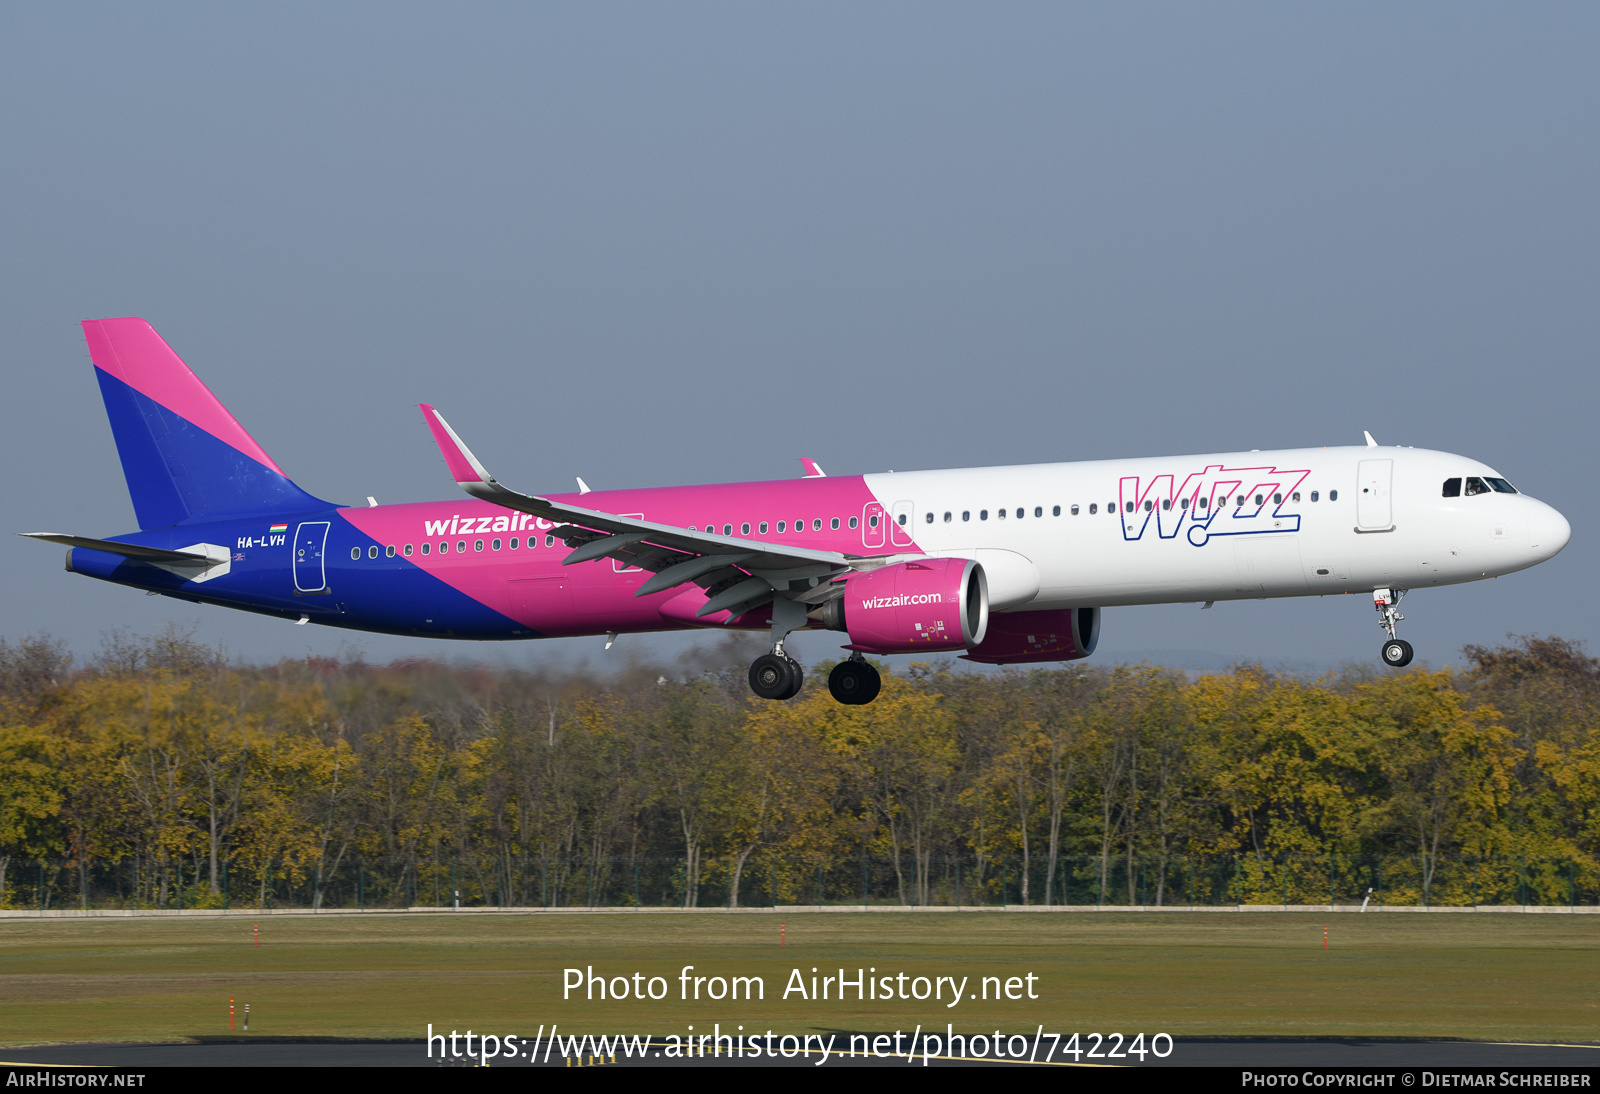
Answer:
(468, 547)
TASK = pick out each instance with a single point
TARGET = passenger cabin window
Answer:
(355, 552)
(1452, 488)
(947, 517)
(1094, 507)
(854, 522)
(983, 514)
(966, 514)
(408, 550)
(426, 547)
(872, 521)
(372, 552)
(1183, 503)
(816, 525)
(928, 519)
(744, 529)
(1295, 497)
(1056, 512)
(901, 518)
(514, 543)
(1333, 495)
(1019, 514)
(1313, 495)
(1074, 510)
(834, 523)
(1476, 486)
(781, 527)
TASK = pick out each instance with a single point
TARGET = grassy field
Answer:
(1494, 977)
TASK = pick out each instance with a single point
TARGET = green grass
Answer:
(1484, 976)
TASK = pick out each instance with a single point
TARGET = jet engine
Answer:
(1018, 638)
(928, 604)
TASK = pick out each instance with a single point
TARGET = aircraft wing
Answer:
(675, 555)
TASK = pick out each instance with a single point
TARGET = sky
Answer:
(652, 244)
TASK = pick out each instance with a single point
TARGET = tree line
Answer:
(162, 771)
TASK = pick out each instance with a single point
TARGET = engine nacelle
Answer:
(929, 604)
(1018, 638)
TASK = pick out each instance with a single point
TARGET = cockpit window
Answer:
(1452, 488)
(1476, 486)
(1501, 486)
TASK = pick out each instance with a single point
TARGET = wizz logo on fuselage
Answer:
(1219, 501)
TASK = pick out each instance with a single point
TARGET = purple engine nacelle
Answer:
(1018, 638)
(929, 604)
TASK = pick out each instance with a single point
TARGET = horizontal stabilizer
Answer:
(199, 562)
(126, 550)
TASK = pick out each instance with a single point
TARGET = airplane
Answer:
(998, 565)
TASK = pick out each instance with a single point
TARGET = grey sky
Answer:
(679, 243)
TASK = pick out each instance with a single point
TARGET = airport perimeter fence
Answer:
(768, 880)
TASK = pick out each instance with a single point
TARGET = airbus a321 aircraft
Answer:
(1001, 565)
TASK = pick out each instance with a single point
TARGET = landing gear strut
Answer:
(1397, 652)
(854, 682)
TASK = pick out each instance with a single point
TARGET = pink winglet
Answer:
(464, 467)
(812, 471)
(132, 351)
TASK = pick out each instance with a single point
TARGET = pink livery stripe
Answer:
(130, 350)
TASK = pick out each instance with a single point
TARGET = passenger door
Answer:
(309, 541)
(1374, 510)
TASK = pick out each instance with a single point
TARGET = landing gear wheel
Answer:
(854, 683)
(1397, 653)
(775, 677)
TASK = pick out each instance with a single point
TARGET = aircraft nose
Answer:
(1548, 532)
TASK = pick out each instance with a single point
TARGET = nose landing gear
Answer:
(854, 682)
(1397, 652)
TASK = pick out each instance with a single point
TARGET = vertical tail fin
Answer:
(183, 454)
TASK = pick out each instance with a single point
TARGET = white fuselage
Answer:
(1379, 518)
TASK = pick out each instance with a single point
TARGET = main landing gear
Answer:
(854, 682)
(776, 675)
(1397, 652)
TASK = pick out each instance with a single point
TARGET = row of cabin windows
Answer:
(1476, 486)
(783, 525)
(1128, 506)
(444, 547)
(966, 515)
